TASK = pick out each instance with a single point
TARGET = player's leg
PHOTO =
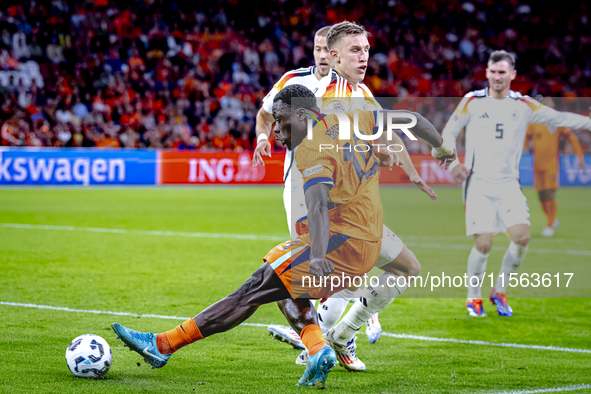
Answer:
(302, 317)
(262, 287)
(331, 310)
(550, 207)
(396, 277)
(514, 213)
(520, 236)
(481, 207)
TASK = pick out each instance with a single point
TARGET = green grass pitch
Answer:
(174, 275)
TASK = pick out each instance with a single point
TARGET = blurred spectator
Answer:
(191, 74)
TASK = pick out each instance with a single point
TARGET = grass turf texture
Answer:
(180, 276)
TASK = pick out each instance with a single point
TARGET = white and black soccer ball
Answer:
(89, 356)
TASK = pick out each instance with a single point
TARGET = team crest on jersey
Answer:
(515, 115)
(339, 106)
(313, 170)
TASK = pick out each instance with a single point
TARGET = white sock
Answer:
(476, 267)
(331, 310)
(511, 261)
(371, 301)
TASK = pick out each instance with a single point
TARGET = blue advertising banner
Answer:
(48, 166)
(526, 170)
(570, 172)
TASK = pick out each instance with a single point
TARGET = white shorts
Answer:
(494, 207)
(391, 247)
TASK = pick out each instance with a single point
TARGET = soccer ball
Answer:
(89, 356)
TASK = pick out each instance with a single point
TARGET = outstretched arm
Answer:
(263, 127)
(574, 142)
(319, 225)
(425, 130)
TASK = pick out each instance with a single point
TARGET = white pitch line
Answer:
(550, 390)
(254, 237)
(145, 232)
(399, 336)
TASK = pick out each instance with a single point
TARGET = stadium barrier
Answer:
(55, 166)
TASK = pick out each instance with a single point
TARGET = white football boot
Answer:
(345, 353)
(549, 231)
(302, 358)
(373, 328)
(287, 335)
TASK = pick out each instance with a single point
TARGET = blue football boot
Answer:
(318, 367)
(143, 343)
(500, 301)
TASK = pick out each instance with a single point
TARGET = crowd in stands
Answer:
(191, 74)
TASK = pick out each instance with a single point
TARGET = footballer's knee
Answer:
(414, 267)
(522, 239)
(483, 245)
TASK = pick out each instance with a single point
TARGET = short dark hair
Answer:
(341, 30)
(322, 32)
(305, 97)
(499, 56)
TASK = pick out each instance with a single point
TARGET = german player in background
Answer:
(546, 141)
(496, 119)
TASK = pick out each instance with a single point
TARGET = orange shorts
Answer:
(351, 258)
(545, 180)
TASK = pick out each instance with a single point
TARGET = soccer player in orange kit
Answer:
(546, 145)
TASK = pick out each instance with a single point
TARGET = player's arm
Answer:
(264, 122)
(319, 225)
(456, 123)
(317, 169)
(263, 130)
(405, 162)
(426, 131)
(574, 142)
(549, 116)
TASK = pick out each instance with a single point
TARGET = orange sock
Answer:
(552, 211)
(312, 338)
(171, 341)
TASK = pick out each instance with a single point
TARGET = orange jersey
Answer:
(546, 145)
(356, 208)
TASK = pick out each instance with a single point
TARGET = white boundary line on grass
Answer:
(387, 334)
(254, 237)
(550, 390)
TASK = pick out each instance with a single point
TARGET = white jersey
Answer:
(495, 131)
(292, 178)
(302, 76)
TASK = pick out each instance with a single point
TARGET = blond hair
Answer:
(341, 30)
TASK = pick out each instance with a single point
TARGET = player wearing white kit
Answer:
(343, 89)
(496, 121)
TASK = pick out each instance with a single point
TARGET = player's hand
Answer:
(320, 267)
(445, 154)
(388, 159)
(460, 173)
(420, 183)
(263, 149)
